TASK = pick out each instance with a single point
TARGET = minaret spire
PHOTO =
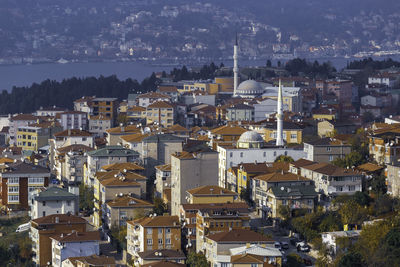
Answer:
(235, 66)
(279, 117)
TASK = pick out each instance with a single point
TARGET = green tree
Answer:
(351, 259)
(352, 213)
(197, 260)
(284, 211)
(378, 184)
(245, 194)
(159, 206)
(294, 260)
(283, 158)
(118, 237)
(86, 195)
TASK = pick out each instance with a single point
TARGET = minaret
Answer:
(235, 67)
(279, 118)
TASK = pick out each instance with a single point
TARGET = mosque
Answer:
(251, 89)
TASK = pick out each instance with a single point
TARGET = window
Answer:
(44, 213)
(231, 154)
(13, 180)
(328, 148)
(330, 158)
(310, 202)
(149, 241)
(35, 180)
(149, 231)
(160, 231)
(241, 154)
(284, 202)
(352, 188)
(160, 241)
(13, 189)
(13, 198)
(168, 230)
(293, 136)
(44, 203)
(339, 188)
(193, 220)
(265, 154)
(168, 241)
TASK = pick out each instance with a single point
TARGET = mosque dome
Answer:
(250, 139)
(249, 88)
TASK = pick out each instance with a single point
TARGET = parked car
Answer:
(302, 247)
(285, 245)
(23, 227)
(307, 262)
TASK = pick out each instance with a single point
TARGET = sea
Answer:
(26, 75)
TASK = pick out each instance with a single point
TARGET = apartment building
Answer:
(262, 184)
(96, 159)
(163, 178)
(43, 228)
(114, 134)
(99, 124)
(69, 162)
(144, 100)
(17, 180)
(108, 185)
(220, 217)
(105, 106)
(74, 244)
(31, 138)
(53, 200)
(150, 233)
(73, 120)
(167, 255)
(157, 150)
(326, 149)
(19, 121)
(124, 208)
(89, 261)
(161, 113)
(239, 112)
(292, 132)
(217, 246)
(191, 170)
(332, 180)
(210, 194)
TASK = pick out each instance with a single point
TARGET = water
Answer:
(25, 75)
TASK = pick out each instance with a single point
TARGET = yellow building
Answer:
(210, 194)
(225, 84)
(246, 171)
(109, 184)
(105, 106)
(136, 113)
(292, 132)
(161, 112)
(151, 233)
(32, 138)
(325, 114)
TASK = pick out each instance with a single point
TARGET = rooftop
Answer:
(113, 151)
(211, 190)
(72, 132)
(77, 237)
(55, 193)
(128, 202)
(157, 221)
(239, 236)
(61, 218)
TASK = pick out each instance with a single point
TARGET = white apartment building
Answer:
(53, 200)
